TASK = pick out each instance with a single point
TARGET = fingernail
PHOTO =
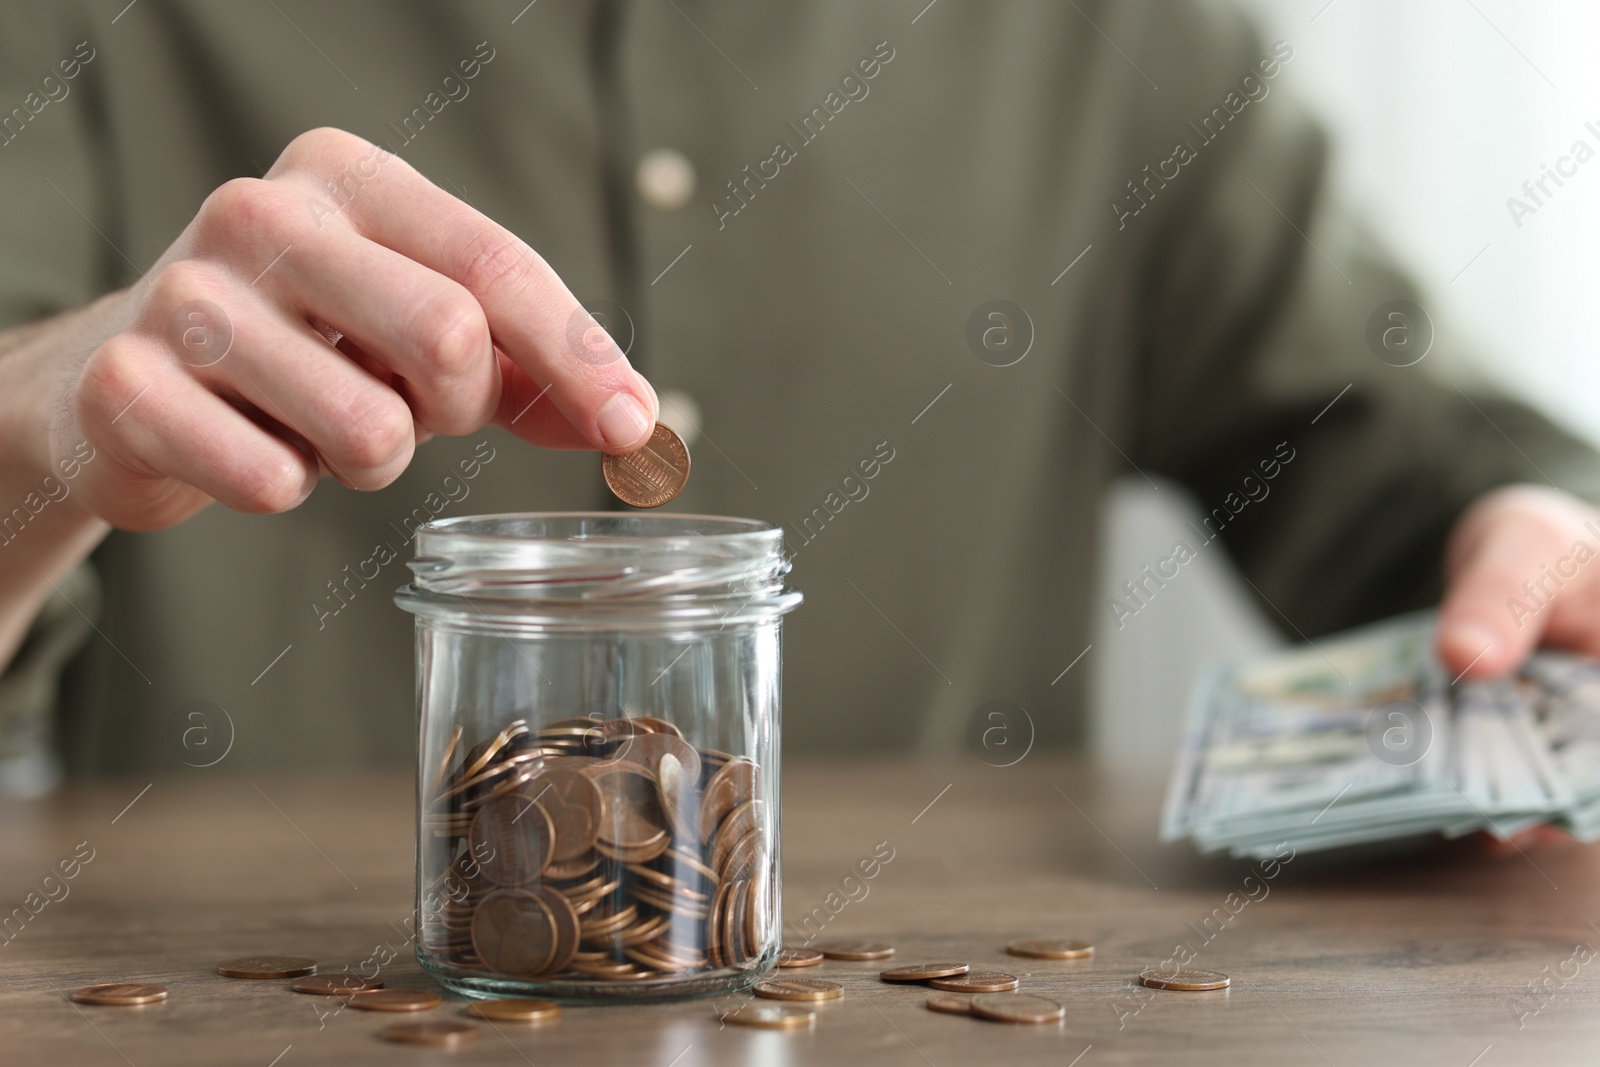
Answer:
(623, 422)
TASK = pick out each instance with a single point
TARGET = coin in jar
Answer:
(798, 989)
(856, 950)
(1184, 979)
(799, 957)
(1050, 948)
(977, 982)
(335, 985)
(514, 932)
(573, 803)
(1016, 1008)
(438, 1034)
(516, 833)
(771, 1017)
(514, 1011)
(120, 993)
(267, 967)
(652, 475)
(396, 1000)
(951, 1003)
(921, 972)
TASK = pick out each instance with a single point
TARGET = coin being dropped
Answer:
(1190, 981)
(771, 1017)
(335, 985)
(799, 957)
(437, 1034)
(267, 967)
(921, 972)
(1016, 1008)
(977, 982)
(798, 989)
(514, 1011)
(122, 993)
(1049, 948)
(396, 1000)
(951, 1003)
(653, 475)
(856, 950)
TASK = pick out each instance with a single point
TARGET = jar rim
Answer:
(455, 526)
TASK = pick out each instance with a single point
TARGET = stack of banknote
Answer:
(1364, 737)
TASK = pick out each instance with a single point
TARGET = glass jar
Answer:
(598, 705)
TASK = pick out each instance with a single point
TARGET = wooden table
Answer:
(1425, 958)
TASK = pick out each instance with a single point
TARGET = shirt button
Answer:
(679, 411)
(665, 178)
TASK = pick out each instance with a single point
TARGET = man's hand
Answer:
(1522, 570)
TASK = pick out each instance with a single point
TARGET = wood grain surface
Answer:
(1435, 954)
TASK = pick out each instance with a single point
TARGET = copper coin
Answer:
(799, 957)
(951, 1003)
(730, 787)
(267, 967)
(514, 932)
(921, 972)
(1049, 948)
(1156, 978)
(1016, 1008)
(565, 920)
(514, 1011)
(771, 1017)
(647, 750)
(439, 1034)
(630, 814)
(977, 982)
(798, 989)
(335, 985)
(679, 800)
(653, 475)
(855, 950)
(120, 993)
(516, 835)
(396, 1000)
(573, 803)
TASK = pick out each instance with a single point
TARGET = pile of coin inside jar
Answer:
(606, 850)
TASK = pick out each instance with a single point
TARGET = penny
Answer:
(514, 1011)
(517, 836)
(798, 989)
(771, 1017)
(1189, 980)
(647, 750)
(573, 803)
(630, 811)
(677, 794)
(1046, 948)
(396, 1000)
(799, 957)
(565, 920)
(977, 982)
(334, 985)
(728, 788)
(855, 950)
(951, 1003)
(921, 972)
(267, 967)
(439, 1034)
(121, 993)
(514, 932)
(444, 761)
(1016, 1008)
(651, 476)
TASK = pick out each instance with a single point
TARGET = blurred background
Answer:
(1440, 111)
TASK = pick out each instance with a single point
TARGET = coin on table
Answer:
(119, 993)
(1050, 948)
(977, 982)
(799, 957)
(514, 1011)
(798, 989)
(771, 1017)
(1016, 1008)
(396, 1000)
(439, 1034)
(951, 1003)
(335, 985)
(921, 972)
(267, 967)
(856, 950)
(1181, 978)
(653, 475)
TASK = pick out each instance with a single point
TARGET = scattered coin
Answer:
(951, 1003)
(771, 1017)
(396, 1000)
(856, 950)
(120, 993)
(514, 1011)
(1156, 978)
(1016, 1008)
(799, 957)
(335, 985)
(267, 967)
(1049, 948)
(439, 1034)
(977, 982)
(798, 989)
(921, 972)
(653, 475)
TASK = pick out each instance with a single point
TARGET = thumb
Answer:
(1494, 612)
